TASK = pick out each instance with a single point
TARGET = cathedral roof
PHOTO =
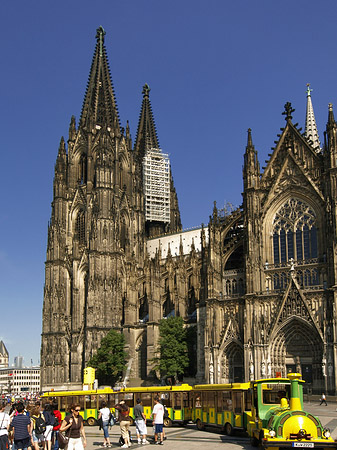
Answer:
(311, 132)
(99, 106)
(146, 134)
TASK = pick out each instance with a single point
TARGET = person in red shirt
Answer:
(58, 421)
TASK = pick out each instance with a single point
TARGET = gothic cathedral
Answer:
(258, 283)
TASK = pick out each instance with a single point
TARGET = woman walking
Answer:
(104, 414)
(73, 426)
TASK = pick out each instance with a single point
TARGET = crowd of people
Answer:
(33, 427)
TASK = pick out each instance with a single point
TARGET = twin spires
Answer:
(146, 137)
(311, 132)
(99, 106)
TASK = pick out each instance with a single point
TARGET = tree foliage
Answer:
(173, 352)
(110, 358)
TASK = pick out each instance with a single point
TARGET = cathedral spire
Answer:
(146, 137)
(311, 132)
(99, 106)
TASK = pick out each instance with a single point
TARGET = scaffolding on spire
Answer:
(156, 177)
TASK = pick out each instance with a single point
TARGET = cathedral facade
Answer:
(257, 283)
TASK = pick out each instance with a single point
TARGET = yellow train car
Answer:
(220, 405)
(175, 398)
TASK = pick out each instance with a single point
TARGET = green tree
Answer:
(110, 358)
(173, 352)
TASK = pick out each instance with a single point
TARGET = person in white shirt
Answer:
(104, 414)
(4, 425)
(158, 420)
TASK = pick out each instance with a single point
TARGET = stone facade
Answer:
(257, 282)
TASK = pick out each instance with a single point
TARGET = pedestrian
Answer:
(56, 426)
(104, 415)
(4, 426)
(158, 420)
(323, 400)
(49, 418)
(37, 421)
(22, 429)
(73, 425)
(140, 421)
(124, 422)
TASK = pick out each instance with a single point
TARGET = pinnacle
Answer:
(99, 106)
(146, 137)
(311, 132)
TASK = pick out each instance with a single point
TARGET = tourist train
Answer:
(270, 410)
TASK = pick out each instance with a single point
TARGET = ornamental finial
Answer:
(288, 110)
(308, 90)
(146, 90)
(100, 33)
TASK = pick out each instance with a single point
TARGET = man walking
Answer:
(158, 420)
(140, 421)
(323, 400)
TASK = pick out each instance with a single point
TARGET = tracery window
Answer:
(294, 232)
(80, 227)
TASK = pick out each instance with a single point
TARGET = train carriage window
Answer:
(93, 401)
(166, 398)
(272, 393)
(209, 397)
(196, 400)
(225, 401)
(102, 398)
(128, 398)
(237, 402)
(186, 399)
(177, 400)
(63, 404)
(248, 400)
(146, 398)
(111, 400)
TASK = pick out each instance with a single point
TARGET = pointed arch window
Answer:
(294, 232)
(83, 169)
(80, 227)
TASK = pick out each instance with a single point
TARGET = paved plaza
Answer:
(189, 437)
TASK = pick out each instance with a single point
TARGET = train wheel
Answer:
(200, 425)
(228, 429)
(254, 442)
(167, 422)
(91, 421)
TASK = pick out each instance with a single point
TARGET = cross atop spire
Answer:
(146, 137)
(311, 132)
(99, 106)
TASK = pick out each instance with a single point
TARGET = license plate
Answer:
(303, 444)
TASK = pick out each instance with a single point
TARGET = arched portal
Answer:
(298, 347)
(231, 366)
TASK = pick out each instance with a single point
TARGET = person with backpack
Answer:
(38, 427)
(57, 424)
(49, 418)
(104, 416)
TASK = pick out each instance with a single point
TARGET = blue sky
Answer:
(215, 69)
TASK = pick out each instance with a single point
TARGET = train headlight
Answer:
(272, 433)
(326, 433)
